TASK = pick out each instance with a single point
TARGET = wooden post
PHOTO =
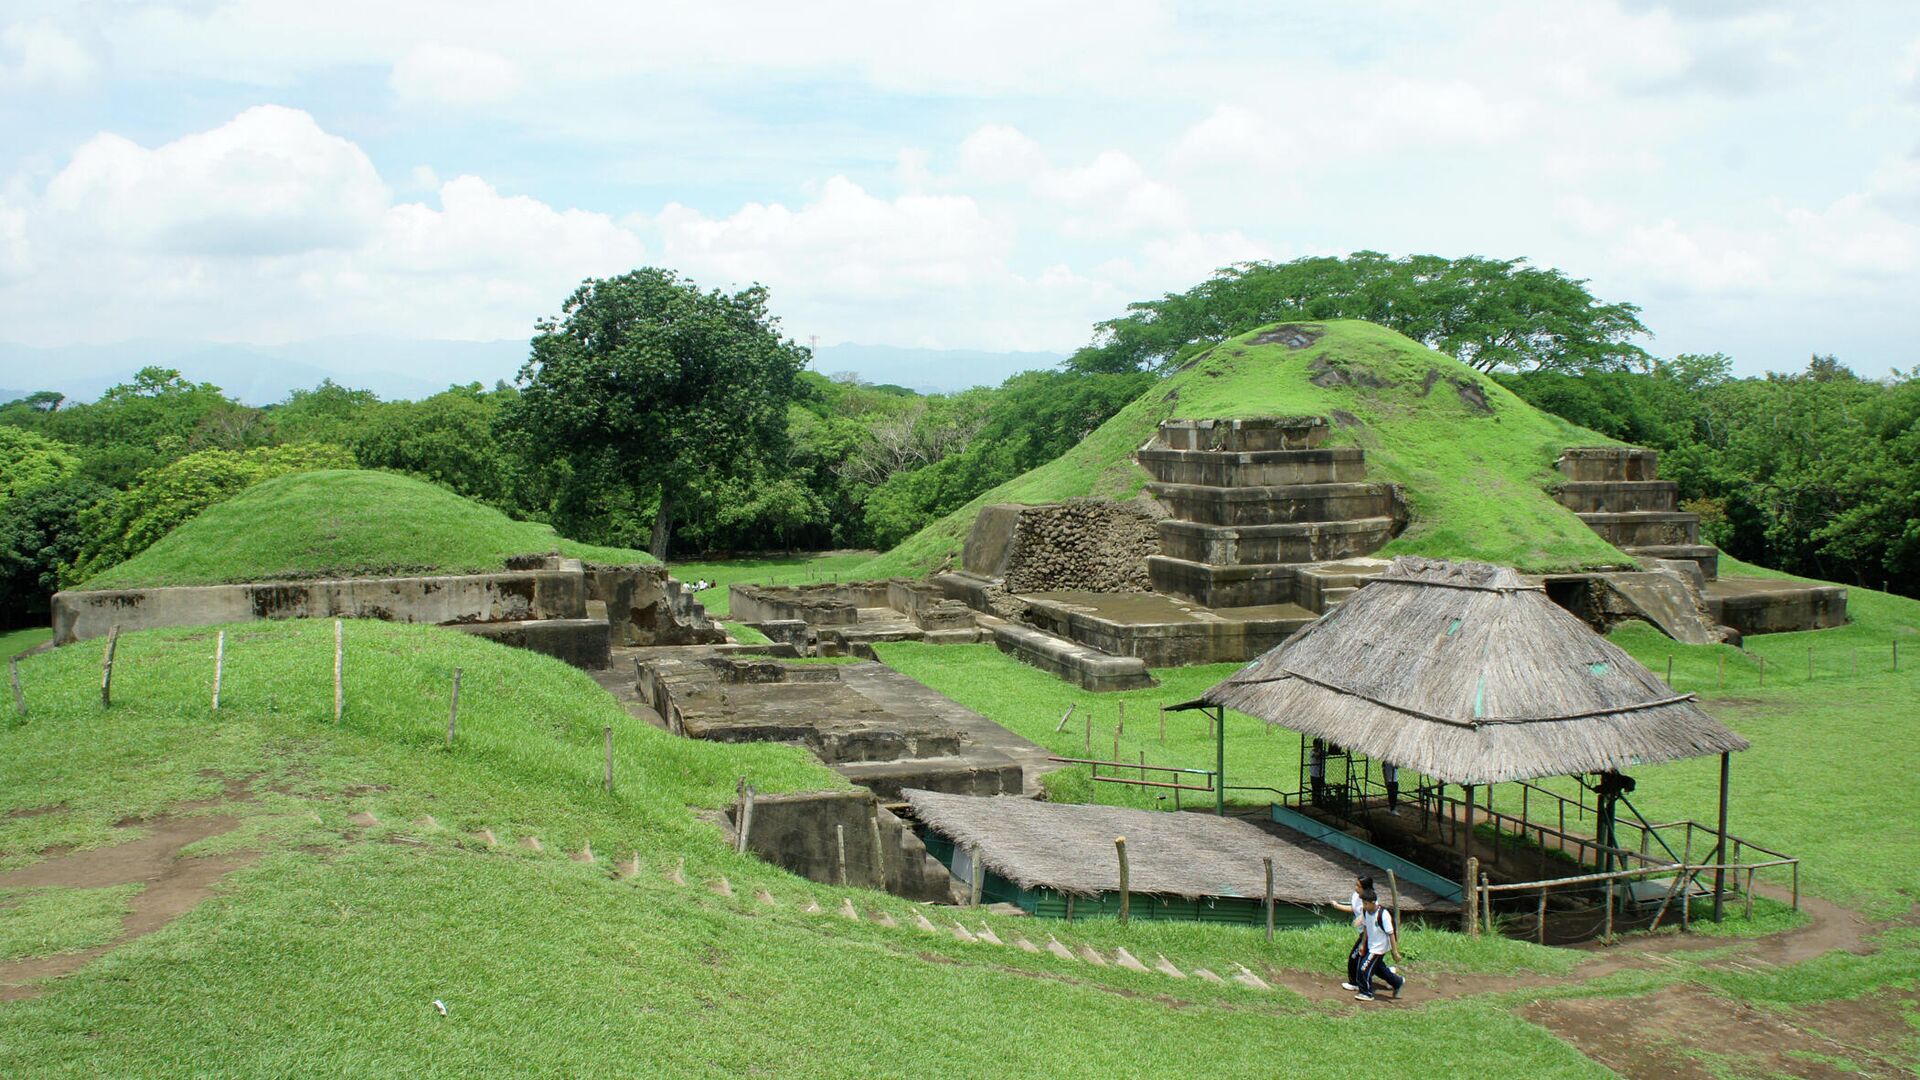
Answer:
(1393, 889)
(1122, 724)
(1116, 744)
(840, 856)
(1066, 716)
(1796, 884)
(1267, 904)
(1669, 670)
(1163, 725)
(1470, 897)
(106, 667)
(1540, 919)
(339, 660)
(453, 707)
(1606, 929)
(606, 735)
(1486, 899)
(1466, 839)
(879, 852)
(1120, 849)
(219, 666)
(1069, 909)
(1720, 853)
(20, 699)
(976, 877)
(1086, 745)
(743, 818)
(1749, 894)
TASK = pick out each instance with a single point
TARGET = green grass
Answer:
(43, 922)
(767, 570)
(326, 955)
(1476, 481)
(13, 642)
(344, 523)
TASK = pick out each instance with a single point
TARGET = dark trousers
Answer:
(1393, 794)
(1375, 967)
(1355, 957)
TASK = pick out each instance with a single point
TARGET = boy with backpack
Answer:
(1356, 907)
(1382, 937)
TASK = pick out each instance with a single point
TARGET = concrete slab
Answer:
(1164, 631)
(1773, 606)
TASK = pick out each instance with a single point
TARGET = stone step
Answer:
(1273, 505)
(1253, 468)
(1645, 528)
(1604, 463)
(1089, 667)
(1330, 599)
(1775, 605)
(982, 771)
(1706, 555)
(1222, 586)
(1618, 496)
(1248, 433)
(1301, 542)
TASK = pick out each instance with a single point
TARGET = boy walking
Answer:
(1382, 937)
(1357, 908)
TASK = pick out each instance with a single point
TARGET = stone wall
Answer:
(803, 833)
(1092, 545)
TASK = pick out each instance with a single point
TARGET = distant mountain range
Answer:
(401, 368)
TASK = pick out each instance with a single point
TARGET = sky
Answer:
(982, 176)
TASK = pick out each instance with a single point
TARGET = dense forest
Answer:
(1815, 471)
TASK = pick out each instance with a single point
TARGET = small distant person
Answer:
(1383, 937)
(1356, 907)
(1391, 777)
(1317, 771)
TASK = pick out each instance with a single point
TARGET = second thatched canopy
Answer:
(1468, 673)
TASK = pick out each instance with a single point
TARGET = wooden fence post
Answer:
(339, 679)
(106, 666)
(1486, 899)
(1163, 725)
(453, 710)
(1086, 745)
(1540, 918)
(13, 675)
(1669, 670)
(976, 876)
(840, 850)
(1606, 930)
(1122, 724)
(1068, 715)
(1126, 900)
(606, 735)
(879, 852)
(1470, 897)
(743, 817)
(1268, 902)
(1393, 886)
(219, 666)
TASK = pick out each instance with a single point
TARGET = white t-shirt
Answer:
(1353, 902)
(1379, 930)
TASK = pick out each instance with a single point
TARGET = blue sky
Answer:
(989, 176)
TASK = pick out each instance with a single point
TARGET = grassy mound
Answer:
(366, 895)
(1475, 460)
(343, 523)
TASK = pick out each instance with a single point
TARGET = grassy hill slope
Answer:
(343, 523)
(1475, 475)
(355, 912)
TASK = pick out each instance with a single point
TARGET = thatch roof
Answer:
(1468, 673)
(1068, 847)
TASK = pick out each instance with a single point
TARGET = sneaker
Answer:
(1363, 997)
(1396, 991)
(1348, 986)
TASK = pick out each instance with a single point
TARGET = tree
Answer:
(645, 380)
(29, 462)
(1495, 314)
(38, 533)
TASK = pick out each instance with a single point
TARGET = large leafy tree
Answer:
(1495, 314)
(645, 381)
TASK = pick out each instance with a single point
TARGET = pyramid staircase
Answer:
(1616, 490)
(1256, 501)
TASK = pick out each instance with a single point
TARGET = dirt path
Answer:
(173, 887)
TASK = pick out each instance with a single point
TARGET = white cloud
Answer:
(268, 182)
(40, 54)
(1111, 195)
(434, 73)
(999, 154)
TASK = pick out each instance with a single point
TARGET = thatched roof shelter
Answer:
(1068, 847)
(1471, 675)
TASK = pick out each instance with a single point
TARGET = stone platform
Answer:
(1772, 605)
(1162, 631)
